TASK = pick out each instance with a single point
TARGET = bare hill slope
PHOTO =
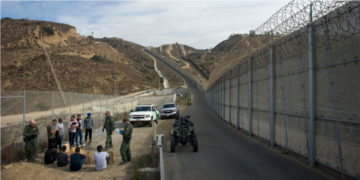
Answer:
(82, 64)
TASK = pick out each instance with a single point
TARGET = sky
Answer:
(198, 23)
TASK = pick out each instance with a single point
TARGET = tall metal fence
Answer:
(302, 91)
(19, 107)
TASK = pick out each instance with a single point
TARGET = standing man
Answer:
(78, 133)
(60, 127)
(51, 130)
(30, 133)
(110, 127)
(72, 124)
(125, 145)
(88, 125)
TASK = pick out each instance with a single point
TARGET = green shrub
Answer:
(48, 30)
(99, 58)
(42, 106)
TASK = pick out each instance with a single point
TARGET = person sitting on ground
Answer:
(77, 160)
(50, 154)
(62, 158)
(101, 159)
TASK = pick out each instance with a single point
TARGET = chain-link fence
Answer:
(19, 107)
(302, 91)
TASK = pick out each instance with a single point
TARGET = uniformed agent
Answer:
(109, 126)
(31, 131)
(125, 145)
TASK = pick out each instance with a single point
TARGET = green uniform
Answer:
(125, 145)
(109, 126)
(30, 138)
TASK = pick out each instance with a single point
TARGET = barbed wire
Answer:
(339, 19)
(297, 14)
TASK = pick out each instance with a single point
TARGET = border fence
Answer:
(19, 107)
(301, 90)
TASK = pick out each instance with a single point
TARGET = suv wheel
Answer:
(151, 123)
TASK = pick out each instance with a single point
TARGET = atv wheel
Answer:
(172, 144)
(151, 123)
(195, 144)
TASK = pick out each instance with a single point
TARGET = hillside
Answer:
(207, 65)
(178, 54)
(82, 64)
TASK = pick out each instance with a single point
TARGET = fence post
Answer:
(106, 101)
(70, 105)
(311, 93)
(333, 96)
(124, 107)
(24, 109)
(218, 99)
(101, 116)
(116, 99)
(249, 96)
(83, 102)
(52, 104)
(237, 97)
(271, 96)
(92, 108)
(223, 98)
(229, 97)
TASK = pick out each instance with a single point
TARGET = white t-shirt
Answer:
(100, 160)
(60, 126)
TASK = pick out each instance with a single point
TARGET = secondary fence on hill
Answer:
(19, 107)
(302, 90)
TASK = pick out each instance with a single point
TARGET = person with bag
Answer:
(72, 124)
(30, 133)
(78, 133)
(125, 145)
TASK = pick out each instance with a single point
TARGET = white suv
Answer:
(144, 113)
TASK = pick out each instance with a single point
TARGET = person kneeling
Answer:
(77, 160)
(62, 158)
(50, 154)
(101, 159)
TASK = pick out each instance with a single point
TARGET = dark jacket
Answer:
(88, 123)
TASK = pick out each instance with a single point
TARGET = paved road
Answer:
(224, 153)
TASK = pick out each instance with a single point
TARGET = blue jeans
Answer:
(60, 141)
(71, 138)
(78, 134)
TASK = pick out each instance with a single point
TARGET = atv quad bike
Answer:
(183, 133)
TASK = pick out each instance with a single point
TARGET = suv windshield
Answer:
(142, 108)
(169, 105)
